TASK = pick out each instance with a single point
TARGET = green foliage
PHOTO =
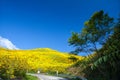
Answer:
(104, 64)
(95, 32)
(111, 50)
(73, 58)
(29, 77)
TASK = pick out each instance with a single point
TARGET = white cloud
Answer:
(7, 44)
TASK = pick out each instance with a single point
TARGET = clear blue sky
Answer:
(48, 23)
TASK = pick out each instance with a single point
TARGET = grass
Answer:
(29, 77)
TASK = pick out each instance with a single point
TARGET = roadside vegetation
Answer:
(101, 37)
(29, 77)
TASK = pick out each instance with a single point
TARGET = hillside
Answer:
(43, 59)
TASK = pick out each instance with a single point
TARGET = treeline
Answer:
(101, 35)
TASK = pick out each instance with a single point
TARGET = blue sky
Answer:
(48, 23)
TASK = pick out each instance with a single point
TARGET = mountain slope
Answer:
(43, 59)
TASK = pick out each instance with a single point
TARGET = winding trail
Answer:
(46, 77)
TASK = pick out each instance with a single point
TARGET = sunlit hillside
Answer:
(43, 59)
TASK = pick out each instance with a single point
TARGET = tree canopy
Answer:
(94, 34)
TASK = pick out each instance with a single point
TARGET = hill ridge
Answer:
(46, 59)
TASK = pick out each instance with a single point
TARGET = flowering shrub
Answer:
(15, 63)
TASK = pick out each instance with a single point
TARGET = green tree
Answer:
(94, 34)
(100, 35)
(110, 58)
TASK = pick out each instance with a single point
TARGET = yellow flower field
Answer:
(43, 59)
